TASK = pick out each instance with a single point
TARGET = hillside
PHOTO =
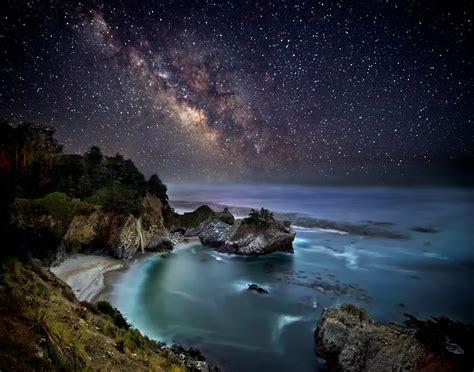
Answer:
(44, 327)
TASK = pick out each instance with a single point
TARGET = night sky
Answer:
(303, 91)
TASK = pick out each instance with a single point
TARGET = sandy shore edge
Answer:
(92, 276)
(85, 273)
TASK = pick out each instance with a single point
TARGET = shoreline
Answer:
(92, 277)
(85, 273)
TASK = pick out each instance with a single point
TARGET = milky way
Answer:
(283, 91)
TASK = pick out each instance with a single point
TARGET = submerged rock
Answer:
(350, 340)
(426, 230)
(256, 288)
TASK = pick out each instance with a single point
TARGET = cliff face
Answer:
(350, 341)
(124, 235)
(44, 327)
(89, 228)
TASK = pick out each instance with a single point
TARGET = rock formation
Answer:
(350, 341)
(246, 239)
(123, 235)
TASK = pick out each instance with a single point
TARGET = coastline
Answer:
(92, 277)
(85, 273)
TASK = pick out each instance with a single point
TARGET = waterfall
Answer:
(139, 229)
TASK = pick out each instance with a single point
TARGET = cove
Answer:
(199, 298)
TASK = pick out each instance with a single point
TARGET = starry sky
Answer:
(281, 91)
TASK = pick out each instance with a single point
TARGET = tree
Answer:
(157, 187)
(264, 217)
(35, 142)
(93, 156)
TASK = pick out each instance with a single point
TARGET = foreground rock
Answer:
(350, 341)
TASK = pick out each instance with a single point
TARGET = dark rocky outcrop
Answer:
(256, 288)
(246, 239)
(426, 230)
(350, 341)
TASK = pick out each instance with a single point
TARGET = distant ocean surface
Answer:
(198, 297)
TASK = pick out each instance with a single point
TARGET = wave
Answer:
(284, 321)
(221, 257)
(436, 255)
(318, 230)
(185, 295)
(349, 254)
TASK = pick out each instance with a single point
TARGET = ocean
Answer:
(199, 297)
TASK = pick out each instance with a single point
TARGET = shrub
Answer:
(117, 198)
(108, 328)
(157, 187)
(264, 217)
(441, 334)
(356, 311)
(11, 271)
(194, 218)
(57, 204)
(40, 290)
(106, 308)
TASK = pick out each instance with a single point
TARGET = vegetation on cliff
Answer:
(444, 336)
(44, 327)
(264, 217)
(45, 189)
(350, 340)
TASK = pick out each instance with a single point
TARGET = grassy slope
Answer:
(44, 326)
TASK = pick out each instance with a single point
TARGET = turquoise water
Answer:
(198, 297)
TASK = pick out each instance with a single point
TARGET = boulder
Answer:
(350, 340)
(256, 288)
(214, 233)
(245, 239)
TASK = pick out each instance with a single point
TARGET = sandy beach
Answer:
(85, 273)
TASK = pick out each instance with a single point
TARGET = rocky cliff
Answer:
(350, 341)
(75, 226)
